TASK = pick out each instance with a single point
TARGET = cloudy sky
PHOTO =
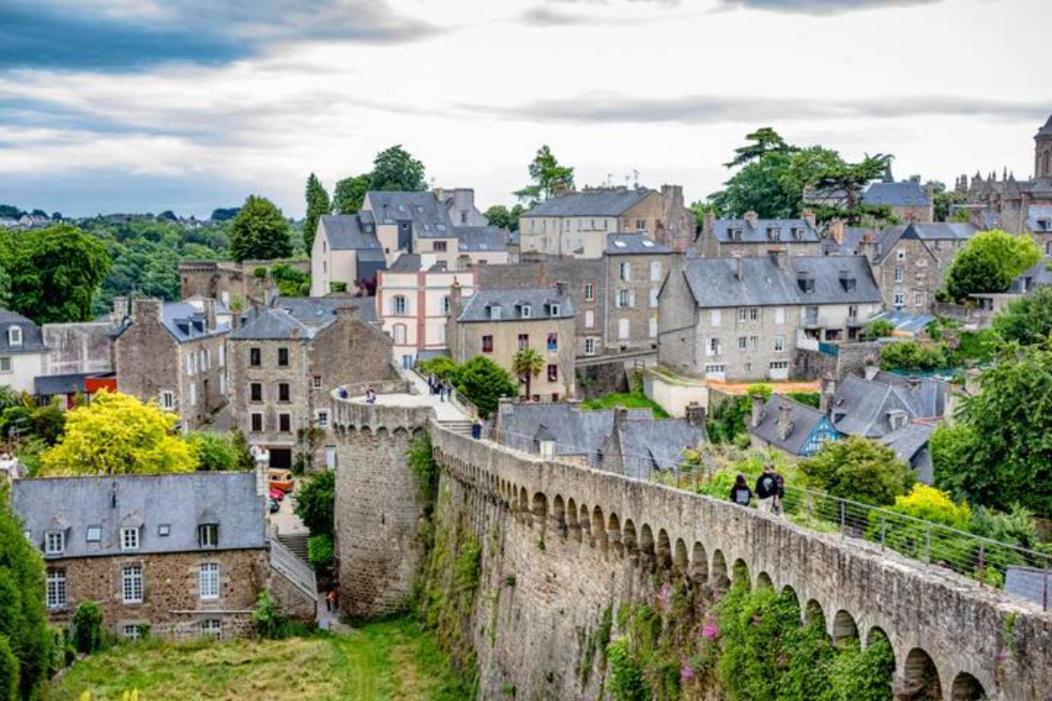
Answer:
(144, 105)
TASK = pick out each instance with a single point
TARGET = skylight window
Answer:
(647, 243)
(619, 244)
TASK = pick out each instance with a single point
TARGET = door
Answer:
(330, 457)
(281, 458)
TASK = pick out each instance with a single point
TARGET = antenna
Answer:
(635, 177)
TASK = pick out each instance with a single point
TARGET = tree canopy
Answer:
(118, 434)
(547, 177)
(316, 502)
(318, 204)
(988, 263)
(396, 169)
(527, 364)
(483, 382)
(260, 231)
(349, 194)
(501, 216)
(858, 469)
(1027, 320)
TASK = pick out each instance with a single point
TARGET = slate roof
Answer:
(907, 442)
(430, 217)
(758, 232)
(411, 263)
(300, 318)
(802, 422)
(860, 407)
(714, 284)
(1047, 129)
(186, 323)
(903, 194)
(905, 322)
(648, 444)
(934, 231)
(32, 335)
(605, 202)
(50, 385)
(852, 243)
(1038, 275)
(634, 244)
(480, 239)
(510, 300)
(1039, 218)
(182, 501)
(345, 233)
(575, 432)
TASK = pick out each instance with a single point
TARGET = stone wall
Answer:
(79, 347)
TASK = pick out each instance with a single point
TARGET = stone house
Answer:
(496, 323)
(788, 425)
(743, 319)
(908, 201)
(1039, 223)
(577, 223)
(752, 236)
(635, 267)
(287, 359)
(460, 203)
(413, 303)
(173, 353)
(178, 555)
(480, 245)
(640, 446)
(23, 353)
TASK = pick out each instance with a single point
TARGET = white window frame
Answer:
(323, 419)
(900, 273)
(399, 306)
(131, 631)
(626, 272)
(653, 328)
(779, 343)
(14, 336)
(132, 584)
(57, 596)
(222, 383)
(715, 317)
(5, 363)
(624, 329)
(222, 356)
(526, 311)
(555, 310)
(191, 364)
(900, 299)
(590, 345)
(779, 315)
(93, 534)
(653, 297)
(192, 399)
(212, 628)
(589, 291)
(208, 528)
(655, 271)
(54, 542)
(129, 539)
(208, 581)
(316, 382)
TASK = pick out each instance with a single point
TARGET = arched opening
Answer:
(539, 509)
(699, 563)
(524, 501)
(648, 558)
(792, 592)
(921, 677)
(813, 613)
(844, 626)
(680, 562)
(763, 581)
(740, 573)
(967, 688)
(631, 543)
(571, 519)
(720, 580)
(664, 550)
(613, 534)
(599, 528)
(584, 520)
(559, 515)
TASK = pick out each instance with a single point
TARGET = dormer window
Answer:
(526, 311)
(806, 282)
(208, 535)
(94, 534)
(846, 281)
(54, 542)
(129, 539)
(14, 336)
(494, 312)
(736, 234)
(555, 310)
(774, 233)
(798, 233)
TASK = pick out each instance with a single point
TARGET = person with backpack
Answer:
(740, 492)
(769, 489)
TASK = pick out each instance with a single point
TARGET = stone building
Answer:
(234, 285)
(175, 555)
(743, 319)
(284, 362)
(752, 236)
(173, 353)
(577, 223)
(910, 261)
(79, 347)
(635, 267)
(23, 354)
(460, 203)
(908, 201)
(496, 323)
(789, 426)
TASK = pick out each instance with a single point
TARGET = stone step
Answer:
(463, 427)
(296, 543)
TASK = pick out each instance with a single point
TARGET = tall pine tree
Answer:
(317, 204)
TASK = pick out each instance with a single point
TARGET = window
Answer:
(323, 419)
(715, 317)
(553, 342)
(94, 534)
(900, 254)
(191, 364)
(589, 319)
(779, 315)
(748, 313)
(641, 224)
(653, 327)
(130, 538)
(717, 369)
(445, 304)
(653, 297)
(283, 357)
(524, 340)
(589, 346)
(222, 384)
(624, 329)
(5, 363)
(398, 333)
(255, 392)
(743, 341)
(589, 292)
(779, 343)
(655, 271)
(131, 584)
(399, 305)
(56, 589)
(168, 400)
(774, 233)
(208, 535)
(526, 311)
(852, 312)
(555, 310)
(164, 530)
(222, 356)
(257, 423)
(316, 382)
(439, 247)
(285, 423)
(255, 357)
(192, 399)
(14, 336)
(131, 631)
(208, 580)
(494, 312)
(920, 299)
(779, 365)
(487, 344)
(54, 542)
(900, 299)
(626, 272)
(900, 273)
(715, 347)
(754, 343)
(553, 373)
(283, 391)
(212, 628)
(204, 360)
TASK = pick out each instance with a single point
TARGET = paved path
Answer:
(444, 410)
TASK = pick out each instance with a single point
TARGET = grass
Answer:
(387, 661)
(629, 400)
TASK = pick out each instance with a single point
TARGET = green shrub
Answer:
(270, 621)
(8, 671)
(626, 678)
(880, 328)
(811, 399)
(320, 551)
(337, 287)
(316, 502)
(911, 355)
(87, 633)
(439, 366)
(260, 272)
(215, 452)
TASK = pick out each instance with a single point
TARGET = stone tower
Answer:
(1043, 151)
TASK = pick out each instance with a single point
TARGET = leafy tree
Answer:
(396, 169)
(9, 211)
(1028, 320)
(118, 434)
(317, 204)
(911, 355)
(527, 364)
(55, 273)
(858, 469)
(215, 452)
(259, 231)
(727, 423)
(881, 328)
(440, 366)
(349, 194)
(548, 177)
(320, 551)
(291, 282)
(87, 628)
(999, 450)
(851, 179)
(988, 263)
(245, 461)
(930, 504)
(763, 141)
(943, 199)
(316, 503)
(23, 623)
(500, 216)
(483, 382)
(224, 214)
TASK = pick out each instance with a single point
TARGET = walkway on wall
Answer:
(446, 412)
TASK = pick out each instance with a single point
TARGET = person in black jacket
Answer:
(740, 492)
(769, 489)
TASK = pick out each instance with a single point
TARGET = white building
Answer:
(23, 355)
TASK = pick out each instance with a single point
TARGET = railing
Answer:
(382, 387)
(456, 398)
(293, 568)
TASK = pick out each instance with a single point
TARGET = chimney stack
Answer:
(739, 267)
(828, 392)
(695, 414)
(809, 217)
(120, 310)
(709, 223)
(208, 306)
(871, 370)
(560, 287)
(836, 231)
(757, 410)
(785, 424)
(751, 217)
(780, 257)
(143, 308)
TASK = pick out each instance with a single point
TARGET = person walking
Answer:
(330, 601)
(370, 396)
(740, 492)
(769, 489)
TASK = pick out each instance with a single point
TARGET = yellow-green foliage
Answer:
(931, 504)
(118, 434)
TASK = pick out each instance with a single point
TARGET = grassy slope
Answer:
(392, 660)
(632, 400)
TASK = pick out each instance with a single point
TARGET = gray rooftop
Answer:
(863, 407)
(714, 282)
(411, 263)
(480, 239)
(180, 501)
(909, 442)
(802, 421)
(186, 323)
(511, 302)
(604, 202)
(32, 336)
(769, 231)
(1038, 275)
(649, 444)
(903, 194)
(344, 233)
(430, 218)
(932, 231)
(301, 318)
(634, 244)
(575, 432)
(1039, 218)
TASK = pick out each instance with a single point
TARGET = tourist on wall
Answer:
(740, 492)
(769, 490)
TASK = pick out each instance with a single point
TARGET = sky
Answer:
(146, 105)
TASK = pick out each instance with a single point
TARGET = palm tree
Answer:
(526, 364)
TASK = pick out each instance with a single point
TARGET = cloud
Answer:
(820, 7)
(133, 34)
(605, 108)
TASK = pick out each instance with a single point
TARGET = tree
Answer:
(349, 194)
(396, 169)
(527, 364)
(215, 452)
(118, 434)
(999, 450)
(858, 469)
(224, 213)
(23, 622)
(764, 140)
(988, 263)
(259, 231)
(55, 273)
(548, 176)
(1027, 320)
(500, 216)
(317, 205)
(851, 180)
(483, 382)
(316, 503)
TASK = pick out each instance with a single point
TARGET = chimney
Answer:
(809, 217)
(209, 308)
(695, 414)
(739, 267)
(836, 231)
(709, 223)
(785, 425)
(347, 313)
(913, 383)
(120, 310)
(561, 287)
(779, 257)
(620, 417)
(147, 307)
(825, 402)
(757, 410)
(752, 217)
(871, 370)
(868, 246)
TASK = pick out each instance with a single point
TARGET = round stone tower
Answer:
(1043, 151)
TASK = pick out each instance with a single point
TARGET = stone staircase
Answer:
(462, 427)
(296, 544)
